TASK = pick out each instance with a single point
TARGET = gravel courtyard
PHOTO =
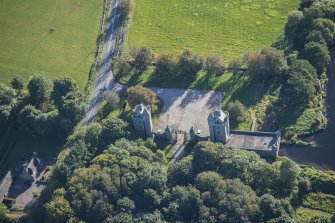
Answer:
(186, 108)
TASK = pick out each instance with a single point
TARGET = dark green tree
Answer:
(7, 95)
(189, 63)
(17, 82)
(143, 58)
(61, 87)
(237, 113)
(26, 117)
(317, 55)
(39, 89)
(113, 129)
(288, 174)
(302, 82)
(166, 65)
(267, 64)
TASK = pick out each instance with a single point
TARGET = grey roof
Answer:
(141, 110)
(253, 140)
(217, 116)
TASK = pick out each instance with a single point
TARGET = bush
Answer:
(17, 82)
(126, 7)
(214, 65)
(123, 67)
(294, 19)
(317, 55)
(143, 58)
(6, 95)
(189, 63)
(139, 94)
(39, 89)
(235, 66)
(236, 112)
(112, 99)
(302, 82)
(267, 64)
(166, 65)
(304, 185)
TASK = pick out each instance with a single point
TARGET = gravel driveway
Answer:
(186, 108)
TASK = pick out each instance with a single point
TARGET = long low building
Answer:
(263, 143)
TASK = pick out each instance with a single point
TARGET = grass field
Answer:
(221, 27)
(52, 37)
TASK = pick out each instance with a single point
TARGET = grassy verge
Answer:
(227, 28)
(52, 37)
(305, 215)
(319, 201)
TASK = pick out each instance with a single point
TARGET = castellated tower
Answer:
(218, 123)
(142, 121)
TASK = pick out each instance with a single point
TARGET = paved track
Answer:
(105, 79)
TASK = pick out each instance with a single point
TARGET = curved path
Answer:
(105, 78)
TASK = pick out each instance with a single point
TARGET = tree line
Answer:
(46, 108)
(103, 175)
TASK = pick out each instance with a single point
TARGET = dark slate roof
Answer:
(253, 140)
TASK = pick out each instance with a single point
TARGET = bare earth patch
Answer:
(186, 108)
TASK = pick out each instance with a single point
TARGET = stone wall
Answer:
(5, 184)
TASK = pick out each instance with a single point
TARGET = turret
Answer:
(142, 121)
(218, 123)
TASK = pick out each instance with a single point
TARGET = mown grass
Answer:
(222, 27)
(57, 38)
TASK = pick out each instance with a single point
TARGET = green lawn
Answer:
(52, 37)
(222, 27)
(305, 215)
(319, 201)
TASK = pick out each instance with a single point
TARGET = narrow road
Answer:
(105, 78)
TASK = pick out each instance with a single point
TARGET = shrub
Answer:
(39, 89)
(166, 65)
(112, 99)
(317, 55)
(236, 111)
(143, 58)
(17, 82)
(126, 7)
(139, 94)
(214, 65)
(189, 63)
(123, 67)
(267, 64)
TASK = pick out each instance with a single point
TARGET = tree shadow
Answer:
(41, 40)
(85, 58)
(176, 80)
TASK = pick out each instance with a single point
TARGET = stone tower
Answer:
(218, 123)
(142, 121)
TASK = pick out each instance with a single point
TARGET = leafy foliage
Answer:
(269, 63)
(139, 94)
(237, 112)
